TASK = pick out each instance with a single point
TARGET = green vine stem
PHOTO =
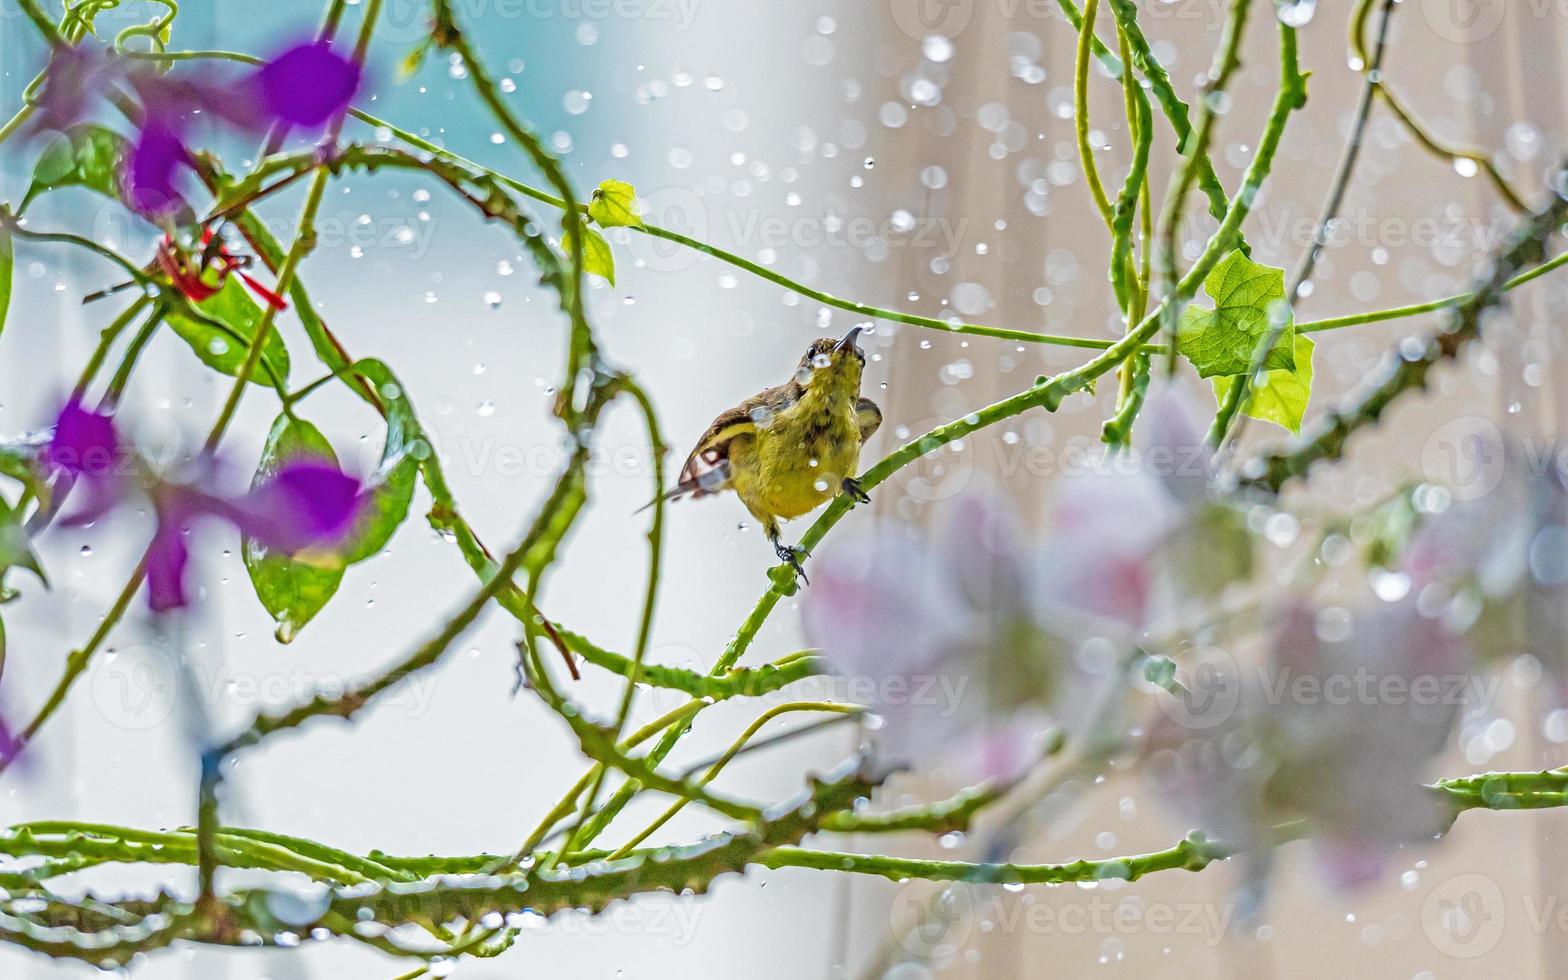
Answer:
(1407, 368)
(735, 748)
(1229, 410)
(1091, 172)
(1192, 853)
(827, 299)
(747, 682)
(1226, 61)
(1444, 151)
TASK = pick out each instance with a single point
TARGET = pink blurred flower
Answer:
(944, 629)
(1337, 729)
(939, 629)
(1001, 625)
(1141, 536)
(1496, 565)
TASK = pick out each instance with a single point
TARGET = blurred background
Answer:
(906, 153)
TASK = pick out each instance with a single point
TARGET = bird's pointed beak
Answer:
(848, 343)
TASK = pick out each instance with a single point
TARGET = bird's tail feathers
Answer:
(682, 490)
(701, 485)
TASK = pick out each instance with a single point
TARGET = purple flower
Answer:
(306, 504)
(75, 76)
(149, 175)
(86, 448)
(85, 443)
(166, 561)
(306, 85)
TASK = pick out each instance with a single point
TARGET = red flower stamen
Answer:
(187, 276)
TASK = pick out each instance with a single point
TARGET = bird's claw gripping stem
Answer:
(856, 492)
(792, 556)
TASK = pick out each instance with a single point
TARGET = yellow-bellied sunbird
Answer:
(790, 448)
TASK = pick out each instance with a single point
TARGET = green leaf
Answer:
(614, 204)
(20, 461)
(16, 549)
(391, 489)
(1281, 396)
(443, 514)
(1247, 296)
(292, 590)
(83, 156)
(224, 350)
(597, 258)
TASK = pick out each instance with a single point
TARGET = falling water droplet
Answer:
(1297, 13)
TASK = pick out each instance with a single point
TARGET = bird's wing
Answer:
(707, 468)
(868, 417)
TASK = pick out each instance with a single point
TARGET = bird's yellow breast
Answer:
(797, 460)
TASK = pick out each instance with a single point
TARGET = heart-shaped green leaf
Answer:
(1249, 301)
(83, 156)
(597, 258)
(292, 591)
(221, 341)
(391, 489)
(1280, 396)
(614, 204)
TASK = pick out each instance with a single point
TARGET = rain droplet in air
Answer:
(936, 48)
(1297, 13)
